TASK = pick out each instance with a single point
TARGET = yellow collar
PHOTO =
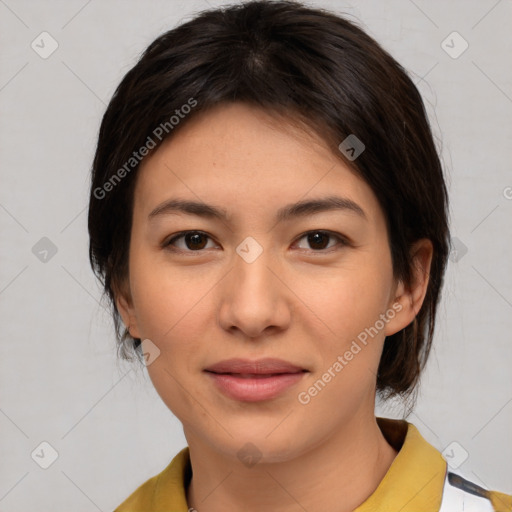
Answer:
(414, 481)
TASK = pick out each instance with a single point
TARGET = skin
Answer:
(297, 301)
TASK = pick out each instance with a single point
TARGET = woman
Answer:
(268, 217)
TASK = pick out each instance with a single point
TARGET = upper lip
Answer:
(259, 366)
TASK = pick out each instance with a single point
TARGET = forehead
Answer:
(242, 157)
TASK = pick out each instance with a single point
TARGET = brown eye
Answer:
(193, 241)
(319, 240)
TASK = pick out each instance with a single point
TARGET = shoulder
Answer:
(164, 491)
(141, 498)
(420, 478)
(459, 493)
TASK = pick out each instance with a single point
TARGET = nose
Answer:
(254, 300)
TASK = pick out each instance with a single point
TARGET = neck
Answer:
(339, 474)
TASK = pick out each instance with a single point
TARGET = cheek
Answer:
(350, 306)
(347, 300)
(164, 298)
(174, 312)
(350, 302)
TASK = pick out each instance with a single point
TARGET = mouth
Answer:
(254, 387)
(260, 367)
(255, 375)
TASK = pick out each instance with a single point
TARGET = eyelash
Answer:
(343, 241)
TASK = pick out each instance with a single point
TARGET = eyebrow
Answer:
(294, 210)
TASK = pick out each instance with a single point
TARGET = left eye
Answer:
(318, 240)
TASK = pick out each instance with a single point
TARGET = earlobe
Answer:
(126, 309)
(422, 259)
(409, 297)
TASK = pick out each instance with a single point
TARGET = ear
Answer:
(126, 309)
(409, 297)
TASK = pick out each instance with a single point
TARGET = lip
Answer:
(265, 366)
(254, 381)
(254, 389)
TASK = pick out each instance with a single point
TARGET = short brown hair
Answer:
(309, 64)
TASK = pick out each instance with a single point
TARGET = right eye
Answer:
(191, 241)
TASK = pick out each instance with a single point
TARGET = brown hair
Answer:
(307, 64)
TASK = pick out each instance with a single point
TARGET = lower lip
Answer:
(254, 389)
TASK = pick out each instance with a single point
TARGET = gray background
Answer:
(60, 381)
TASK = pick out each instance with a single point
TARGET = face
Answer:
(304, 286)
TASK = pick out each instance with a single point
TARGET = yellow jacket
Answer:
(418, 480)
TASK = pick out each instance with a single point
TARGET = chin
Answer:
(257, 446)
